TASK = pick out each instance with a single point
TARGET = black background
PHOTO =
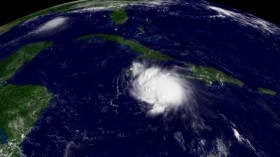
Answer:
(11, 10)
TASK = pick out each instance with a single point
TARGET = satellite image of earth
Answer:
(164, 78)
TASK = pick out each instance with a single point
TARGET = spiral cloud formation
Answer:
(161, 88)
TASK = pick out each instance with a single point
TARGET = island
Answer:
(266, 91)
(133, 45)
(119, 16)
(210, 75)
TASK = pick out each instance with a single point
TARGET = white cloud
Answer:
(223, 12)
(56, 24)
(161, 88)
(108, 5)
(237, 135)
(246, 19)
(243, 140)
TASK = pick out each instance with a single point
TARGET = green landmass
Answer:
(119, 16)
(266, 91)
(210, 75)
(14, 62)
(133, 45)
(20, 105)
(20, 108)
(141, 29)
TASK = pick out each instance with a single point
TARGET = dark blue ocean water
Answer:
(3, 136)
(92, 113)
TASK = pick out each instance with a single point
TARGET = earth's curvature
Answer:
(139, 78)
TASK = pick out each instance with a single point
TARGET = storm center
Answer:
(158, 87)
